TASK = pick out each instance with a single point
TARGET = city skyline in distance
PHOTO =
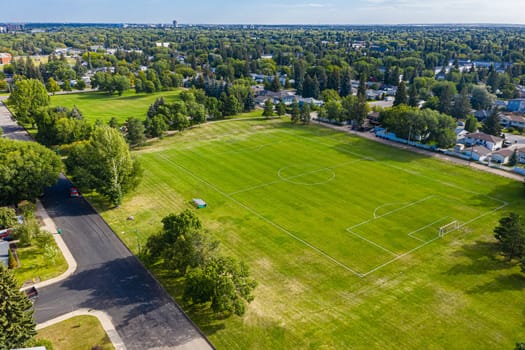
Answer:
(270, 12)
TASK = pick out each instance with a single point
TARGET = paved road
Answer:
(108, 276)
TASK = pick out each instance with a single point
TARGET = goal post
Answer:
(451, 226)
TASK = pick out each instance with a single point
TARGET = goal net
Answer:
(451, 226)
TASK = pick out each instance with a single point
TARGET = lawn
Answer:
(36, 264)
(101, 106)
(342, 235)
(76, 333)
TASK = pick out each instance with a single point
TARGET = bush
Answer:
(27, 232)
(13, 264)
(40, 342)
(43, 239)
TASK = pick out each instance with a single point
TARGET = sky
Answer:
(266, 11)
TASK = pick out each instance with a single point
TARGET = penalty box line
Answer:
(505, 204)
(279, 227)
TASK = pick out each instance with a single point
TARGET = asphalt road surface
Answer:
(108, 277)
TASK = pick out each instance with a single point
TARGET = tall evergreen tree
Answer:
(491, 124)
(296, 112)
(268, 108)
(401, 94)
(16, 313)
(462, 105)
(281, 108)
(346, 83)
(445, 100)
(305, 113)
(471, 125)
(412, 96)
(511, 236)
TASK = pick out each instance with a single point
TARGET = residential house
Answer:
(502, 156)
(512, 121)
(460, 132)
(516, 105)
(481, 115)
(490, 142)
(5, 58)
(521, 155)
(477, 153)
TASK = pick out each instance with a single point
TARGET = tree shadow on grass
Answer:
(483, 256)
(512, 282)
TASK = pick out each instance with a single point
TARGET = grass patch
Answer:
(342, 235)
(76, 333)
(35, 264)
(101, 106)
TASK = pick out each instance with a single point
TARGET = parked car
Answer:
(73, 192)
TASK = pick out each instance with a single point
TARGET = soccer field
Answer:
(354, 244)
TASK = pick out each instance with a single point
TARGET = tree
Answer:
(27, 97)
(445, 99)
(514, 157)
(413, 100)
(52, 86)
(268, 108)
(104, 163)
(230, 105)
(401, 94)
(7, 217)
(275, 84)
(222, 281)
(471, 124)
(27, 169)
(305, 113)
(511, 236)
(181, 244)
(120, 84)
(281, 108)
(462, 106)
(16, 313)
(296, 112)
(346, 83)
(481, 99)
(113, 123)
(491, 124)
(135, 132)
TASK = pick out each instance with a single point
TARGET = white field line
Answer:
(391, 212)
(373, 243)
(411, 234)
(285, 179)
(433, 239)
(279, 227)
(386, 205)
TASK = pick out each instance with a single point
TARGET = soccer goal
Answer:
(451, 226)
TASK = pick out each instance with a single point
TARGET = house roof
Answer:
(504, 152)
(479, 150)
(484, 137)
(514, 118)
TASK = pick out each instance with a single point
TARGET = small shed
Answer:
(199, 203)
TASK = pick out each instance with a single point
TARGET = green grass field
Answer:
(342, 235)
(100, 105)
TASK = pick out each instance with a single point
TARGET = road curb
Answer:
(105, 321)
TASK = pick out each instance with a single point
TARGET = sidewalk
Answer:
(372, 137)
(104, 319)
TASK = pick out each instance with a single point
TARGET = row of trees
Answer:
(185, 249)
(426, 126)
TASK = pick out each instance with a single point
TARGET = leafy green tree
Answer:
(230, 105)
(156, 126)
(511, 236)
(481, 98)
(104, 163)
(113, 123)
(222, 281)
(52, 86)
(16, 313)
(268, 108)
(27, 169)
(27, 97)
(7, 217)
(491, 124)
(401, 94)
(120, 84)
(135, 134)
(181, 244)
(471, 124)
(413, 100)
(514, 158)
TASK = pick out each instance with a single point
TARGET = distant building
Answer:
(516, 105)
(5, 58)
(162, 44)
(175, 24)
(492, 143)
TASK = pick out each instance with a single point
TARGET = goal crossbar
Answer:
(451, 226)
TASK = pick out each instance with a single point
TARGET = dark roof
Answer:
(504, 152)
(484, 137)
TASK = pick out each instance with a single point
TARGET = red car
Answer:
(73, 192)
